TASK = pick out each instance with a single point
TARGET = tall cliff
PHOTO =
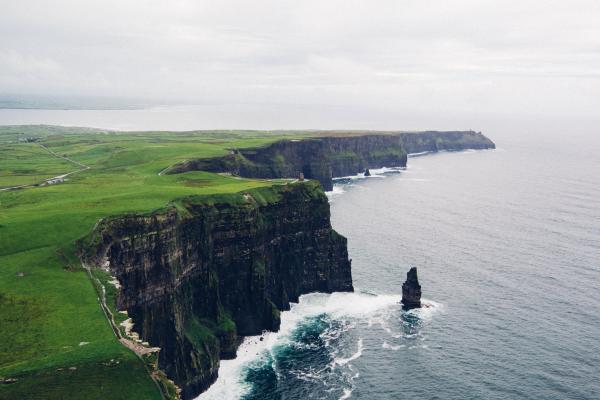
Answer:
(433, 141)
(325, 157)
(206, 271)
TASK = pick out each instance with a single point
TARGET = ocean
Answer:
(507, 246)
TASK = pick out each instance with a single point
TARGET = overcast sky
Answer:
(502, 57)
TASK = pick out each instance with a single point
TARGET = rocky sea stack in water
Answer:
(411, 290)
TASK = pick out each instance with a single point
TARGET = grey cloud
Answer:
(461, 56)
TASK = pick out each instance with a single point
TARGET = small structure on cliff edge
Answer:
(367, 172)
(411, 290)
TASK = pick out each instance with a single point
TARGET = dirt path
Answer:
(63, 157)
(55, 179)
(161, 173)
(139, 349)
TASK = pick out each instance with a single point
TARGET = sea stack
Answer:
(367, 172)
(411, 290)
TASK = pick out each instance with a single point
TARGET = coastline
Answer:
(114, 175)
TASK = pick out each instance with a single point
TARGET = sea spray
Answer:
(334, 311)
(340, 184)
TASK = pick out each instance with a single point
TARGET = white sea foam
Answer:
(375, 173)
(341, 306)
(339, 187)
(230, 383)
(337, 190)
(385, 170)
(344, 361)
(387, 320)
(388, 346)
(418, 154)
(347, 394)
(429, 309)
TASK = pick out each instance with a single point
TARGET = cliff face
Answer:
(200, 275)
(324, 158)
(318, 158)
(432, 141)
(351, 155)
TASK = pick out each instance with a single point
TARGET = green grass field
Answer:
(55, 341)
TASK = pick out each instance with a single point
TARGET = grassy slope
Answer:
(47, 304)
(29, 163)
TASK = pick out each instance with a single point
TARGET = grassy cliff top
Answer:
(16, 133)
(56, 342)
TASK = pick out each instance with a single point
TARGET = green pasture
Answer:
(55, 342)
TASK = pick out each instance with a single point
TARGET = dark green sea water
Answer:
(507, 243)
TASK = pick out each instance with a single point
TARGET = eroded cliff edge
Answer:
(207, 270)
(200, 274)
(341, 154)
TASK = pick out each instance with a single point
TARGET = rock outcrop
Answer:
(411, 290)
(201, 274)
(326, 157)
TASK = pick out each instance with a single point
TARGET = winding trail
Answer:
(55, 179)
(138, 349)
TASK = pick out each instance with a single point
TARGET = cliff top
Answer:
(66, 180)
(47, 304)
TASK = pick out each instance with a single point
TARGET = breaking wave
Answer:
(316, 349)
(341, 183)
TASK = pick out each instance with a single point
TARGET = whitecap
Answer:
(419, 154)
(335, 192)
(231, 385)
(428, 310)
(385, 170)
(347, 394)
(375, 173)
(388, 346)
(344, 361)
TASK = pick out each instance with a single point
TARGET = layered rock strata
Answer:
(411, 290)
(324, 158)
(206, 271)
(198, 276)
